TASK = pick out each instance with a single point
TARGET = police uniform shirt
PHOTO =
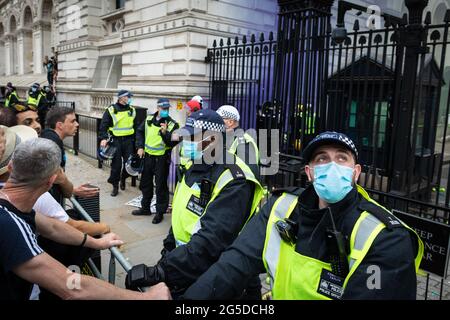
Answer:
(393, 251)
(167, 137)
(221, 224)
(107, 121)
(17, 245)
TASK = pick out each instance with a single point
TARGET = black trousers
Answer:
(155, 167)
(125, 147)
(50, 78)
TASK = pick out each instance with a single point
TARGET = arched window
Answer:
(27, 18)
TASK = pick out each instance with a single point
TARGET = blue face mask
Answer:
(332, 182)
(190, 150)
(164, 113)
(130, 101)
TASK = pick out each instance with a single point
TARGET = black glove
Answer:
(141, 276)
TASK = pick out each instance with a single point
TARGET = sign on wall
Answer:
(436, 240)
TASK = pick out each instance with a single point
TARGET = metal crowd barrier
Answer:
(115, 253)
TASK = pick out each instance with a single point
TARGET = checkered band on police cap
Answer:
(326, 138)
(229, 112)
(205, 125)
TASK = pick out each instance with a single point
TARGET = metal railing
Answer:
(115, 253)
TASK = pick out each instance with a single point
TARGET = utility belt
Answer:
(122, 138)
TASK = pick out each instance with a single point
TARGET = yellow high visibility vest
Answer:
(294, 276)
(187, 213)
(123, 122)
(154, 144)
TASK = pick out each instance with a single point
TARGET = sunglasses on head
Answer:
(21, 108)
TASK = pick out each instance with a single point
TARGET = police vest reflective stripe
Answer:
(34, 101)
(295, 276)
(246, 138)
(187, 210)
(123, 122)
(154, 143)
(8, 99)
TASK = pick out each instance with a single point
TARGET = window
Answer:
(120, 4)
(380, 122)
(108, 72)
(353, 111)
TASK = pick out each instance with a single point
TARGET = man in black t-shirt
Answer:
(17, 245)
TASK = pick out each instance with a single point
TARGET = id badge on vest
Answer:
(331, 285)
(194, 206)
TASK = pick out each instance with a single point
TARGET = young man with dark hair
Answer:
(62, 123)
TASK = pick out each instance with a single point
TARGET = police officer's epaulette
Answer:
(113, 106)
(236, 171)
(297, 191)
(388, 219)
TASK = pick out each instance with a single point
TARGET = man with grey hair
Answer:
(33, 169)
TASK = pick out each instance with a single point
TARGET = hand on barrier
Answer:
(108, 241)
(141, 276)
(158, 292)
(86, 191)
(103, 143)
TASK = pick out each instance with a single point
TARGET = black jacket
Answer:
(221, 224)
(167, 137)
(107, 121)
(393, 251)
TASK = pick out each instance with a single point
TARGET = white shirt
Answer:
(49, 207)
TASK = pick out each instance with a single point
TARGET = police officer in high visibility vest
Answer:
(119, 124)
(213, 201)
(37, 100)
(328, 241)
(240, 143)
(154, 143)
(11, 95)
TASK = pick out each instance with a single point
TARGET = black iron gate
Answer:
(387, 88)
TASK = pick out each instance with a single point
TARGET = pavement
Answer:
(143, 240)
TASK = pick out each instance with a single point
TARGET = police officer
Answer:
(213, 201)
(11, 95)
(119, 123)
(154, 144)
(240, 143)
(329, 241)
(36, 100)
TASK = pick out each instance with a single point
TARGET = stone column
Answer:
(25, 50)
(10, 54)
(2, 54)
(41, 44)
